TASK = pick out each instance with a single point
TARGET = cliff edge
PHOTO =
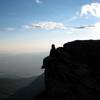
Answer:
(72, 72)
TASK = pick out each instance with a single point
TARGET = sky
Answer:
(33, 25)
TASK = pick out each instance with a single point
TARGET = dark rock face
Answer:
(72, 72)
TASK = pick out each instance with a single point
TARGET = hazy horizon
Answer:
(21, 65)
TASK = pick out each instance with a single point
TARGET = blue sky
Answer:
(33, 25)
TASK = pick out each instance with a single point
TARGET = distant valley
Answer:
(9, 86)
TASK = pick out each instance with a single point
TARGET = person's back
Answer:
(53, 50)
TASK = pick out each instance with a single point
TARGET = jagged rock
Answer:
(73, 72)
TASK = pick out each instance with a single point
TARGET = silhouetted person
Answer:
(50, 57)
(53, 50)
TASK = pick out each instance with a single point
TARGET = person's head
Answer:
(53, 46)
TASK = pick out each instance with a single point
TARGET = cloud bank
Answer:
(46, 25)
(49, 25)
(92, 9)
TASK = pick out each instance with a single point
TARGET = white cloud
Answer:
(48, 25)
(26, 27)
(38, 1)
(93, 9)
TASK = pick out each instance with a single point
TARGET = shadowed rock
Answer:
(72, 72)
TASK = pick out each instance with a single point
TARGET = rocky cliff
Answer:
(72, 72)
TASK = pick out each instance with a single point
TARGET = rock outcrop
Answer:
(72, 72)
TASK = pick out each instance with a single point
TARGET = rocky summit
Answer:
(72, 72)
